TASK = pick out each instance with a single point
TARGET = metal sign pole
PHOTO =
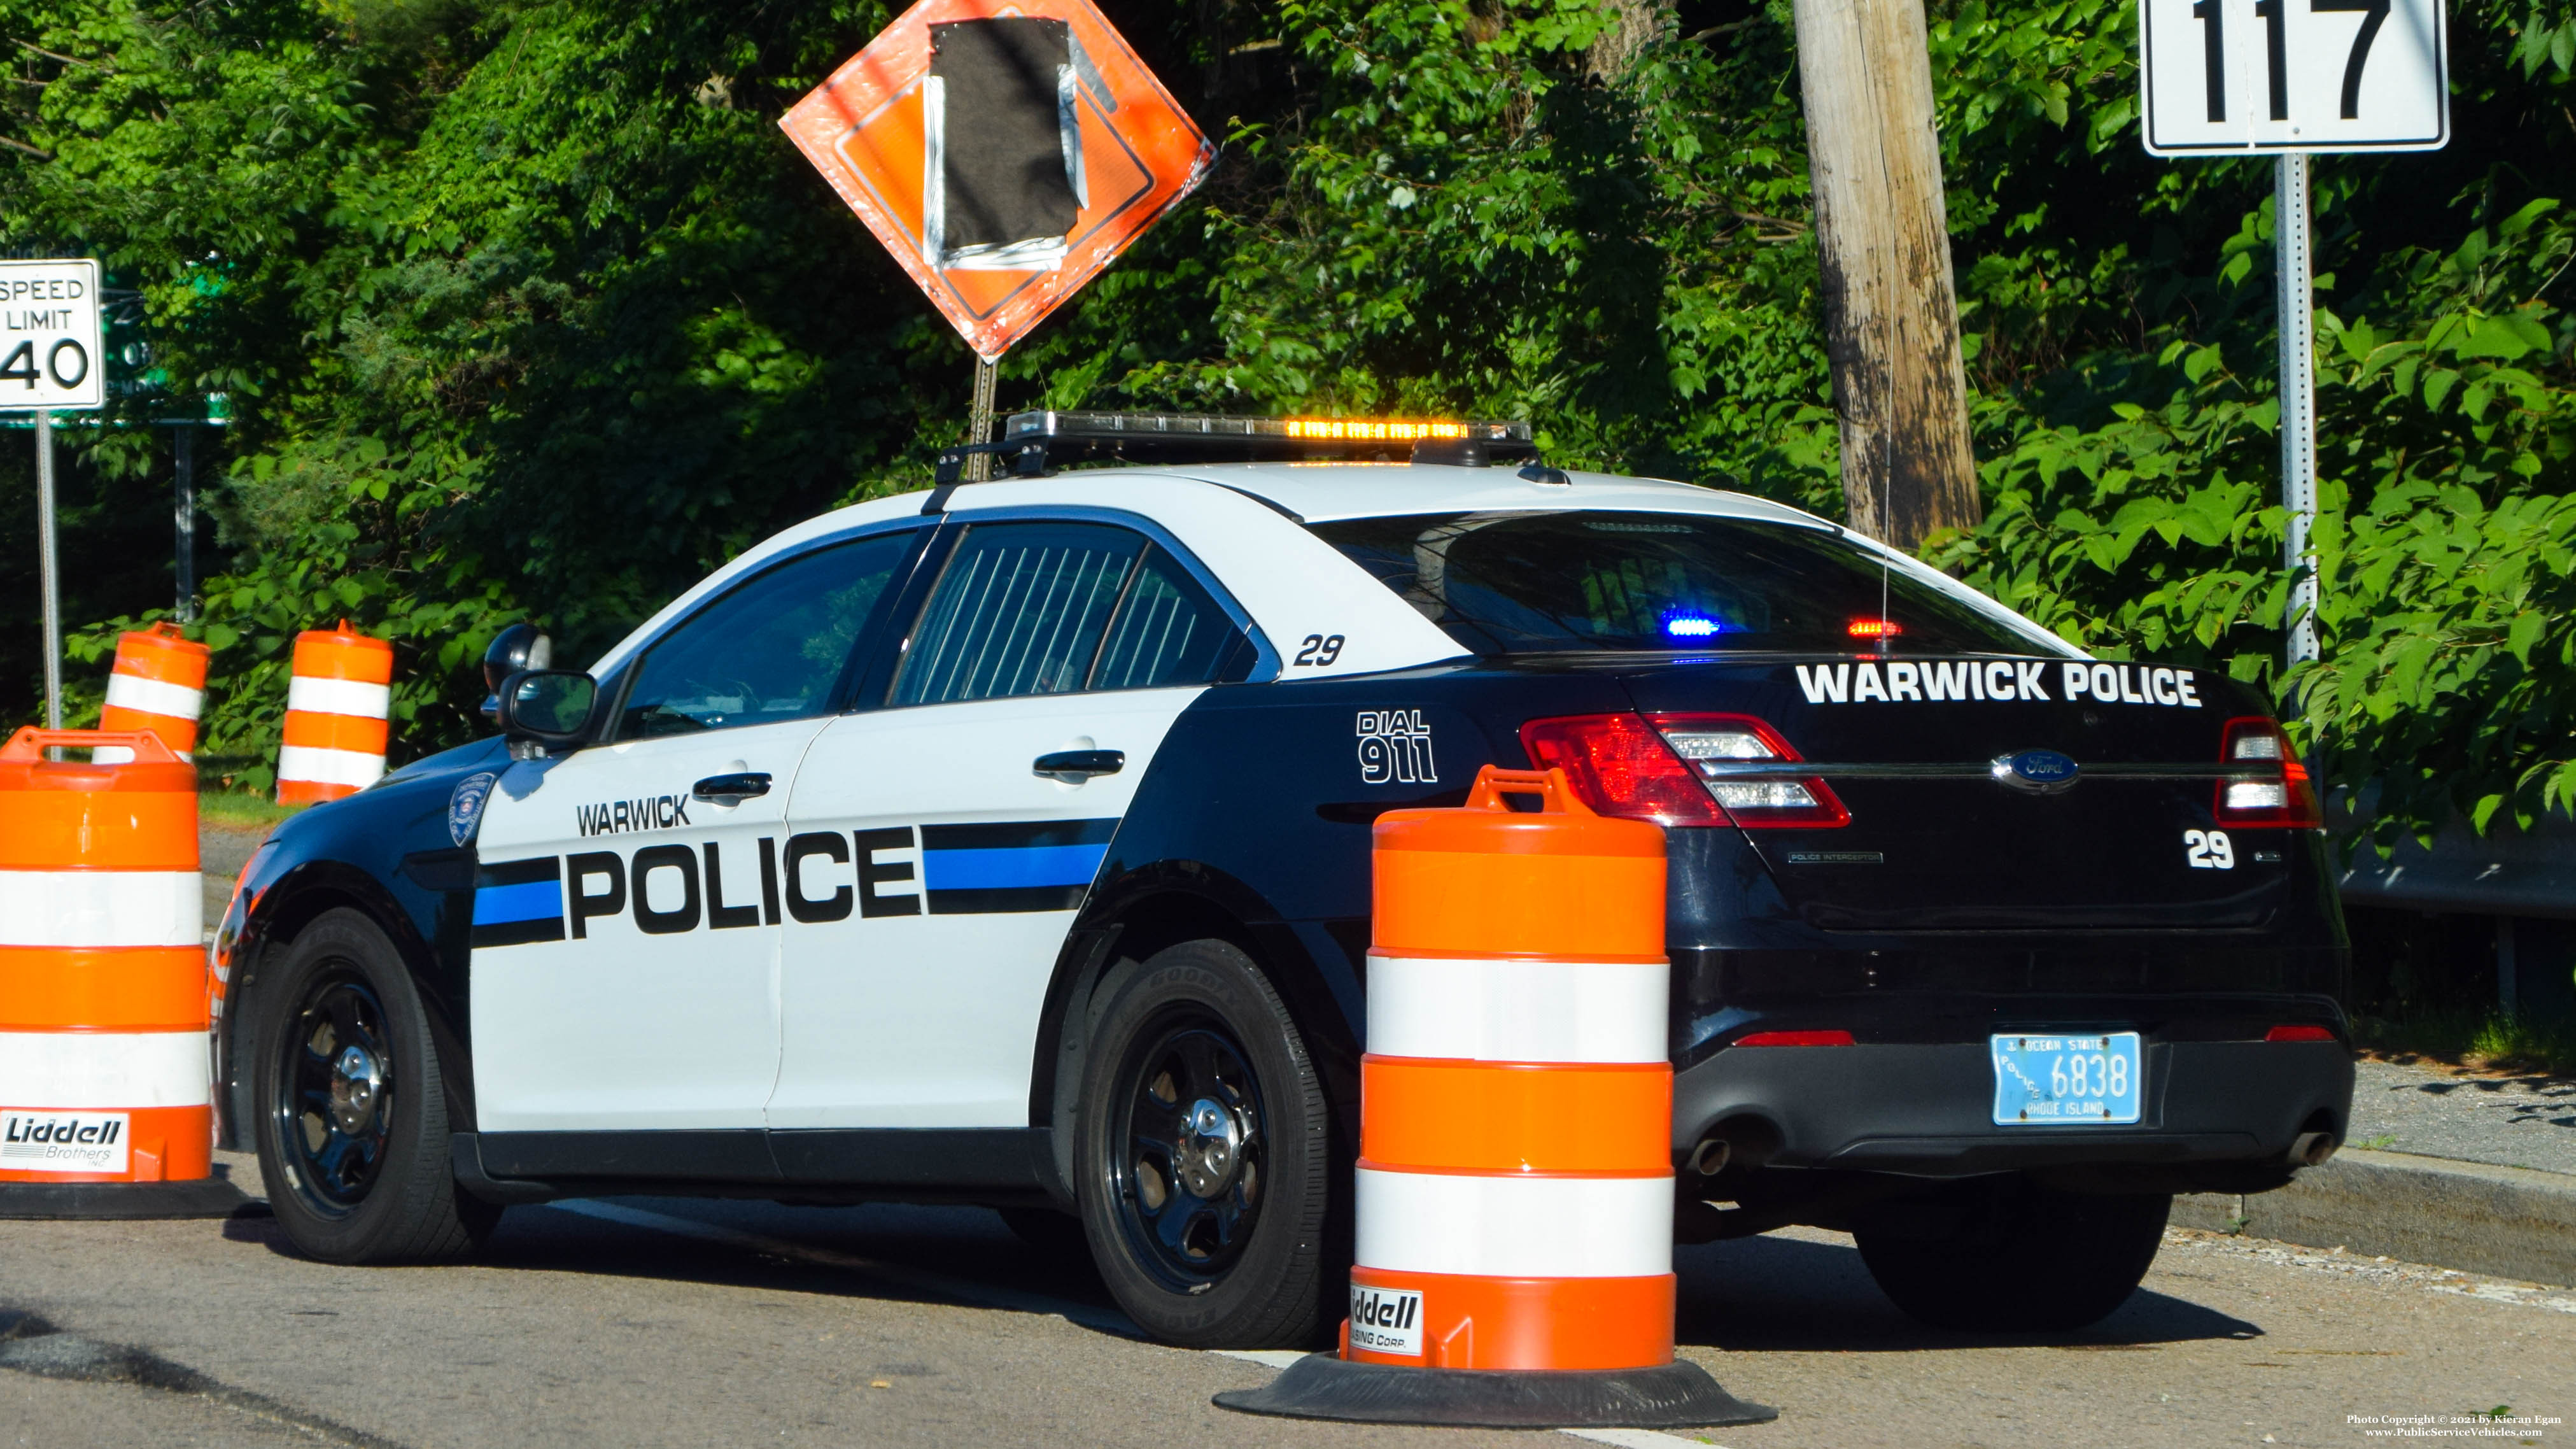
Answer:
(979, 420)
(2298, 401)
(49, 570)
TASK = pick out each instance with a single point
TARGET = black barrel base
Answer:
(1677, 1395)
(210, 1197)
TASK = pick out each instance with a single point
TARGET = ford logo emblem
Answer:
(2042, 772)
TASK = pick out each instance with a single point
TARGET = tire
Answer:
(2013, 1257)
(350, 1117)
(1203, 1155)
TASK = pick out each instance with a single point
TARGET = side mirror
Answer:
(546, 708)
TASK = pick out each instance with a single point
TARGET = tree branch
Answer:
(53, 55)
(1728, 28)
(39, 152)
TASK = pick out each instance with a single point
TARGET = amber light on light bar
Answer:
(1372, 429)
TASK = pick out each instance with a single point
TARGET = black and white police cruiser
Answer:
(1009, 844)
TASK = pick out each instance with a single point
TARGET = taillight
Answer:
(1673, 768)
(2283, 798)
(1797, 1038)
(1711, 743)
(1619, 765)
(2298, 1032)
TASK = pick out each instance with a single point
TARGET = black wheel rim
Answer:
(335, 1094)
(1189, 1151)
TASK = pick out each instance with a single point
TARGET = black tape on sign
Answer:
(1005, 175)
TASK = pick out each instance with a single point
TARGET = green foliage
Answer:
(2132, 487)
(526, 307)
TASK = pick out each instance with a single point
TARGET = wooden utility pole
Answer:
(1891, 317)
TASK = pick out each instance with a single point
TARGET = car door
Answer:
(626, 929)
(946, 834)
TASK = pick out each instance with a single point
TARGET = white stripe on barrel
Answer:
(71, 1070)
(154, 696)
(1517, 1011)
(1515, 1227)
(315, 695)
(329, 767)
(102, 908)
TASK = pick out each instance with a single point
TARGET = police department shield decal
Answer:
(465, 807)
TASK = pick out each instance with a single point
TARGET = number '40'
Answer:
(2276, 48)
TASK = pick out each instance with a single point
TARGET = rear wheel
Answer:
(352, 1125)
(1202, 1159)
(2010, 1256)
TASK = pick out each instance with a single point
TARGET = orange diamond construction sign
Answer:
(1004, 152)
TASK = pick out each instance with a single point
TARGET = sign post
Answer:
(52, 358)
(2296, 78)
(1005, 152)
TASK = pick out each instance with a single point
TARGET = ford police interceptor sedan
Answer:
(1010, 845)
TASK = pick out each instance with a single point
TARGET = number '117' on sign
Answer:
(2293, 75)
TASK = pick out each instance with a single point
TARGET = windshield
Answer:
(1535, 583)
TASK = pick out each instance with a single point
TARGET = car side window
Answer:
(1167, 632)
(767, 650)
(1020, 609)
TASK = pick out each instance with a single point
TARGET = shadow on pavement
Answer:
(1779, 1293)
(967, 1245)
(1770, 1293)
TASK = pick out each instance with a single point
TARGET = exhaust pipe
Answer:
(2311, 1149)
(1710, 1157)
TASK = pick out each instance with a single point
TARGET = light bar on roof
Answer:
(1070, 425)
(1036, 443)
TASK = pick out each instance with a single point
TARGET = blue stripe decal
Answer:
(538, 900)
(1043, 865)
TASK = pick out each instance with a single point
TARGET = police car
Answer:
(1009, 844)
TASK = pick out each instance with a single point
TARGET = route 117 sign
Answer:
(1004, 151)
(2293, 75)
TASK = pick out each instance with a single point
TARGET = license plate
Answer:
(2059, 1079)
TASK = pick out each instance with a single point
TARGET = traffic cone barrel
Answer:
(105, 1103)
(336, 707)
(1513, 1255)
(158, 684)
(1516, 1100)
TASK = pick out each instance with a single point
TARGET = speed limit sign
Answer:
(2293, 75)
(49, 337)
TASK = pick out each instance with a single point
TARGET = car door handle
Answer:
(1075, 765)
(731, 789)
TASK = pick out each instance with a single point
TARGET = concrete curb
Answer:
(2511, 1222)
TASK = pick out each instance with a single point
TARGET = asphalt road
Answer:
(685, 1322)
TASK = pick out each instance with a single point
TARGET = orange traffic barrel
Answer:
(1514, 1245)
(336, 707)
(158, 684)
(105, 1096)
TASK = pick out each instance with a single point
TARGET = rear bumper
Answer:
(1926, 1109)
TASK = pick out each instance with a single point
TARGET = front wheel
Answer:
(2010, 1256)
(1202, 1161)
(352, 1122)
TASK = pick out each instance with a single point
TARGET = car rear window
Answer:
(1536, 583)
